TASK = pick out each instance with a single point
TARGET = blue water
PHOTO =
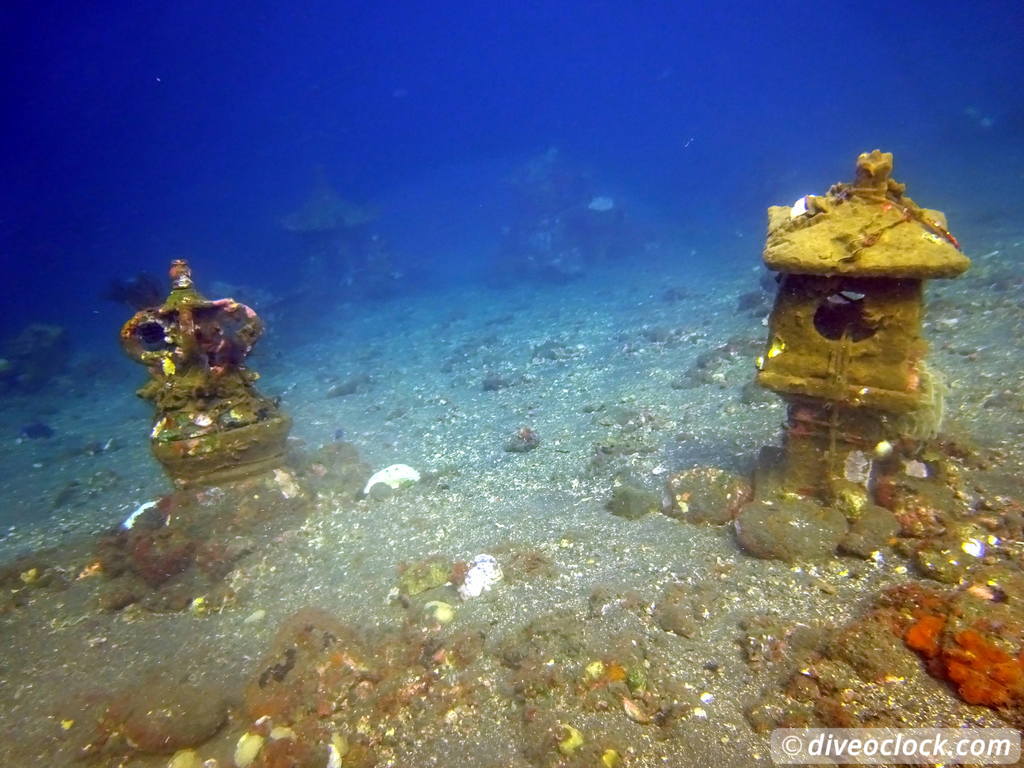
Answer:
(139, 132)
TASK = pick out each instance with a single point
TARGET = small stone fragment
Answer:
(632, 503)
(439, 611)
(426, 574)
(870, 531)
(634, 711)
(675, 618)
(495, 381)
(525, 439)
(706, 495)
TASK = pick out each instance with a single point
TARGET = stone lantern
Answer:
(212, 425)
(845, 347)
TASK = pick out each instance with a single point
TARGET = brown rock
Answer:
(166, 717)
(790, 530)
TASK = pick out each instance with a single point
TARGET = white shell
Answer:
(394, 477)
(974, 547)
(484, 572)
(799, 208)
(857, 468)
(129, 521)
(915, 468)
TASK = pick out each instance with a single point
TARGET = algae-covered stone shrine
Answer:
(846, 351)
(211, 424)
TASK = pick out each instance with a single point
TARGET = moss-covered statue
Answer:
(845, 347)
(212, 425)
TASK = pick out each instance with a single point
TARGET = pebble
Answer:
(248, 747)
(185, 758)
(441, 612)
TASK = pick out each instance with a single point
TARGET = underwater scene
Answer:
(508, 385)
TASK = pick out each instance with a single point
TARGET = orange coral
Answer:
(615, 672)
(984, 673)
(923, 635)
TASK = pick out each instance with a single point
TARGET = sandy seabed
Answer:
(626, 377)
